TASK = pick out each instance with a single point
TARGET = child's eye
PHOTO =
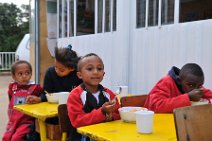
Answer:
(27, 73)
(20, 74)
(99, 69)
(89, 69)
(191, 85)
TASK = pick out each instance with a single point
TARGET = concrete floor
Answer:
(5, 79)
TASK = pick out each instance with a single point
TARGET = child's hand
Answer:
(108, 107)
(31, 99)
(195, 94)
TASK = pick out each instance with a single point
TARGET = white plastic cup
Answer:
(122, 90)
(144, 121)
(63, 96)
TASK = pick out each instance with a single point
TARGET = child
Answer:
(91, 103)
(21, 91)
(63, 76)
(177, 89)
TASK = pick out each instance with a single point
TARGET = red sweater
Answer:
(76, 114)
(165, 96)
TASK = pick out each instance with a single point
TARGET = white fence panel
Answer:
(6, 60)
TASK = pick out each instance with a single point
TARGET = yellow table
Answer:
(163, 130)
(41, 111)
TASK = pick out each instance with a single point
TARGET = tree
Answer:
(14, 24)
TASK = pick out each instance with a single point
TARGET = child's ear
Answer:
(104, 74)
(79, 75)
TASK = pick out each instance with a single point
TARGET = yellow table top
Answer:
(163, 130)
(41, 110)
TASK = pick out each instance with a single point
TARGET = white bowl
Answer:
(128, 114)
(52, 97)
(63, 96)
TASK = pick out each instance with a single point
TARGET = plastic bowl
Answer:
(52, 97)
(63, 97)
(128, 114)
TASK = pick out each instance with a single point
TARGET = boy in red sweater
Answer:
(177, 89)
(21, 91)
(91, 103)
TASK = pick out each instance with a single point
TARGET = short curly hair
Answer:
(67, 57)
(191, 68)
(15, 64)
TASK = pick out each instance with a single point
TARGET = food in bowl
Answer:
(52, 97)
(128, 113)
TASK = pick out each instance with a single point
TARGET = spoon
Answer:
(47, 93)
(118, 92)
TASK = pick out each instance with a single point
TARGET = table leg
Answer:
(42, 126)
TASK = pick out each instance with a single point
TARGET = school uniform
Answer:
(85, 109)
(167, 94)
(19, 124)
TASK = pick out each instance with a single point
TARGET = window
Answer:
(152, 7)
(167, 12)
(85, 17)
(107, 16)
(141, 13)
(153, 13)
(194, 10)
(60, 18)
(71, 18)
(100, 15)
(114, 15)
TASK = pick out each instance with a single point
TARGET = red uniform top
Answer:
(166, 96)
(17, 94)
(79, 117)
(19, 124)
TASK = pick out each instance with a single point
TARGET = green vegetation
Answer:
(14, 24)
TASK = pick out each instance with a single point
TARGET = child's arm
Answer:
(31, 99)
(10, 92)
(34, 97)
(165, 97)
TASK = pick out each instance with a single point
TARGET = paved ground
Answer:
(5, 78)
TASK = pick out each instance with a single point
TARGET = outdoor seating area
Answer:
(180, 125)
(105, 70)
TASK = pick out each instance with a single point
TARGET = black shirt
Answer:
(55, 83)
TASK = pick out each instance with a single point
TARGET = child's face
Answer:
(62, 70)
(22, 74)
(191, 82)
(92, 71)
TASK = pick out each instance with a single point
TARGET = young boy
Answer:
(178, 89)
(91, 103)
(21, 91)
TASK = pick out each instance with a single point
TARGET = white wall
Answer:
(140, 57)
(111, 47)
(155, 50)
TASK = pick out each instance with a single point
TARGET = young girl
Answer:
(62, 77)
(91, 103)
(21, 91)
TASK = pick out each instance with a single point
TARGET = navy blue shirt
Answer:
(55, 83)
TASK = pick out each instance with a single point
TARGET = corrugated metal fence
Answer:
(6, 60)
